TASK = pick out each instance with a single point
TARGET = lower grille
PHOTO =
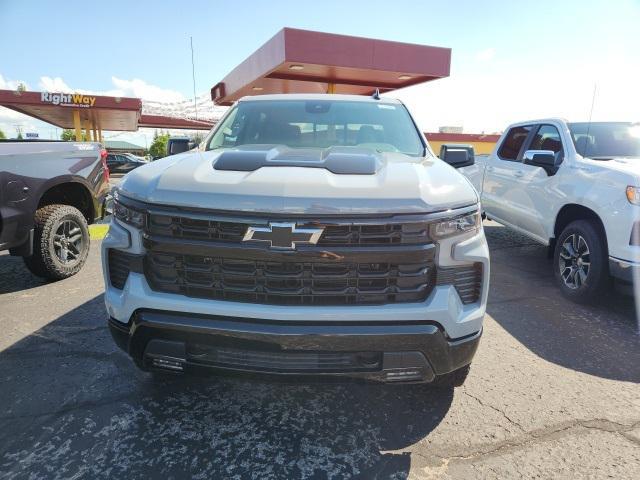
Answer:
(467, 281)
(289, 283)
(293, 362)
(119, 268)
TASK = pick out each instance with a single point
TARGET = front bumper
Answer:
(624, 270)
(388, 352)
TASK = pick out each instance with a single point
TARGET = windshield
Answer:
(604, 140)
(384, 127)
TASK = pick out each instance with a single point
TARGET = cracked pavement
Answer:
(553, 393)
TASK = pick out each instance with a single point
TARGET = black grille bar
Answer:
(346, 232)
(466, 279)
(293, 362)
(312, 254)
(120, 265)
(309, 276)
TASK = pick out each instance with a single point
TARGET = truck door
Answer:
(536, 204)
(501, 190)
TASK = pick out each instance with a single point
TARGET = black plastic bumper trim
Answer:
(442, 354)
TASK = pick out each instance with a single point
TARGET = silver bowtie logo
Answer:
(285, 236)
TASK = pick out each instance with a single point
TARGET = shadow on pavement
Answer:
(15, 276)
(599, 339)
(74, 405)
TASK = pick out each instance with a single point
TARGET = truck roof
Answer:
(318, 96)
(538, 120)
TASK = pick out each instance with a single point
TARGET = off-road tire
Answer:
(45, 262)
(452, 379)
(597, 281)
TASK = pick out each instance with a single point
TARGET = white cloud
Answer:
(486, 55)
(11, 84)
(489, 100)
(56, 84)
(122, 88)
(145, 91)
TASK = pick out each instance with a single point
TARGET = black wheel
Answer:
(580, 261)
(60, 243)
(452, 379)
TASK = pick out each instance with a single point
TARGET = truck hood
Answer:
(624, 168)
(397, 184)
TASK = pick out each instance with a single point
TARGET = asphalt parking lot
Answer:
(553, 393)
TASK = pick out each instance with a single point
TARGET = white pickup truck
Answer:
(308, 234)
(572, 186)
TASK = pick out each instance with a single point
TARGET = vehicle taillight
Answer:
(105, 169)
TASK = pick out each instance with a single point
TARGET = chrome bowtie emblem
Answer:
(283, 235)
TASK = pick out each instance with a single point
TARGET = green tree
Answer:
(197, 138)
(2, 135)
(19, 137)
(158, 148)
(69, 135)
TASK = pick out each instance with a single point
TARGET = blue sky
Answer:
(511, 60)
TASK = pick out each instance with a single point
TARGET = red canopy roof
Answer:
(302, 61)
(106, 113)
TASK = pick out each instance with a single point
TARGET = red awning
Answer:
(107, 113)
(301, 61)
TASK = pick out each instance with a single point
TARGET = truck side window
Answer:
(512, 144)
(547, 138)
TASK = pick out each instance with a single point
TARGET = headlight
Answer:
(633, 195)
(469, 222)
(127, 215)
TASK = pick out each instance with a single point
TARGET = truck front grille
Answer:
(289, 282)
(349, 233)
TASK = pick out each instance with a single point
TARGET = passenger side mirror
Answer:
(546, 159)
(458, 158)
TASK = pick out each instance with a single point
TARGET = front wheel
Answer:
(580, 261)
(61, 242)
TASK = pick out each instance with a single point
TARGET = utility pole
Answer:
(193, 75)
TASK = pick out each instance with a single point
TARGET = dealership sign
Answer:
(68, 99)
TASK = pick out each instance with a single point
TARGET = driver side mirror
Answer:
(458, 158)
(545, 159)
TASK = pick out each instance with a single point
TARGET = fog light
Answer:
(173, 364)
(403, 375)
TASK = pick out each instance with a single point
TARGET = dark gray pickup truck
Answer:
(49, 193)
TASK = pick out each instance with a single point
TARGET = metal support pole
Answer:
(77, 125)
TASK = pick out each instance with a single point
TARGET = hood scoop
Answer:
(338, 160)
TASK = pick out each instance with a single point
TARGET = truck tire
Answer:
(580, 261)
(60, 242)
(452, 379)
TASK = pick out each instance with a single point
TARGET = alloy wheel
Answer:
(68, 242)
(574, 261)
